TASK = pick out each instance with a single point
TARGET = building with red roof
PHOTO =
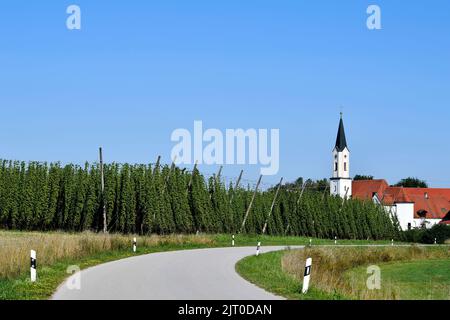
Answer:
(414, 207)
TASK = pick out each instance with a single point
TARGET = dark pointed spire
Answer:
(341, 142)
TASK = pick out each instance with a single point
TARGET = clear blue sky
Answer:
(140, 69)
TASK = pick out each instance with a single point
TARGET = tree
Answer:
(296, 185)
(318, 185)
(412, 183)
(362, 177)
(439, 233)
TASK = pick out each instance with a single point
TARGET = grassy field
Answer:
(415, 280)
(56, 251)
(341, 273)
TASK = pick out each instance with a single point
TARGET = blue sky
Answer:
(140, 69)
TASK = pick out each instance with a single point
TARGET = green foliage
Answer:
(158, 199)
(413, 235)
(440, 233)
(362, 177)
(412, 183)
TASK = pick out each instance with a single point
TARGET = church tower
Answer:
(341, 183)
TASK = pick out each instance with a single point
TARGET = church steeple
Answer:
(341, 183)
(341, 142)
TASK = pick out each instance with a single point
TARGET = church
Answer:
(414, 207)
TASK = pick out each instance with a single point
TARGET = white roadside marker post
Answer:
(232, 240)
(258, 247)
(134, 245)
(392, 242)
(335, 240)
(307, 276)
(33, 266)
(310, 242)
(435, 240)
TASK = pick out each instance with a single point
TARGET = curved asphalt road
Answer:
(205, 274)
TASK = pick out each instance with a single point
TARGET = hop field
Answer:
(154, 199)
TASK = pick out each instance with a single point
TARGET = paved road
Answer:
(206, 274)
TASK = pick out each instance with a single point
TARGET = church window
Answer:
(335, 166)
(345, 166)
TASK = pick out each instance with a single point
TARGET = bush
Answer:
(414, 235)
(440, 233)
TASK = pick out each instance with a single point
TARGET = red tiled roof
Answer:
(436, 202)
(364, 189)
(393, 195)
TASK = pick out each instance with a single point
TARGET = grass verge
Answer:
(56, 251)
(50, 277)
(341, 273)
(266, 272)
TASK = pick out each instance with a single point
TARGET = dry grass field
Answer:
(52, 247)
(334, 268)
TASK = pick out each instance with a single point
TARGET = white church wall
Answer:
(341, 187)
(346, 188)
(405, 214)
(341, 162)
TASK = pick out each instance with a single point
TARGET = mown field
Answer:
(57, 250)
(413, 280)
(407, 273)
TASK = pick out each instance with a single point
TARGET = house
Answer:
(414, 207)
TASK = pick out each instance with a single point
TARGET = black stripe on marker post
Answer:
(33, 265)
(307, 271)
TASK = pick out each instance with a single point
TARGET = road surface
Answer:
(206, 274)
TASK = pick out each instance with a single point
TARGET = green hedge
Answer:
(147, 199)
(440, 233)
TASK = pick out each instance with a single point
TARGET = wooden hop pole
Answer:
(102, 174)
(236, 186)
(219, 174)
(251, 203)
(192, 176)
(301, 192)
(158, 162)
(298, 202)
(345, 198)
(166, 180)
(273, 205)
